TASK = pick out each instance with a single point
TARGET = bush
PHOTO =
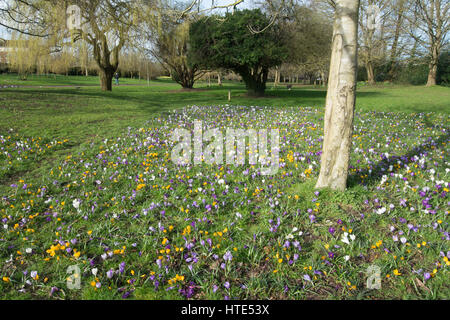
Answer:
(443, 74)
(361, 74)
(415, 73)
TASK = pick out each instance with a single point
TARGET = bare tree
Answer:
(430, 21)
(397, 16)
(341, 97)
(372, 47)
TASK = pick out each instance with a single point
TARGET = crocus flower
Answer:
(110, 273)
(122, 268)
(228, 256)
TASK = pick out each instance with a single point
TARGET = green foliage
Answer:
(443, 75)
(414, 73)
(231, 42)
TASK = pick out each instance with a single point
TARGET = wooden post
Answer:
(148, 76)
(229, 95)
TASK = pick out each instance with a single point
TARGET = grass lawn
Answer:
(86, 180)
(59, 80)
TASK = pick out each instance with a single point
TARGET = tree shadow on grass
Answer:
(382, 167)
(156, 98)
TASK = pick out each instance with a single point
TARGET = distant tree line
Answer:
(282, 41)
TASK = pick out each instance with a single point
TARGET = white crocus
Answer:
(345, 238)
(76, 204)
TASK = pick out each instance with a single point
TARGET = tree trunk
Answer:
(322, 76)
(433, 65)
(255, 82)
(341, 97)
(255, 88)
(277, 76)
(432, 75)
(148, 75)
(394, 50)
(219, 79)
(106, 76)
(370, 73)
(184, 75)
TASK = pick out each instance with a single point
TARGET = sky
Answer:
(3, 33)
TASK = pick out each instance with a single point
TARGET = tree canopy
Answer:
(246, 42)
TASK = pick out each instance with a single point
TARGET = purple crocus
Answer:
(122, 268)
(228, 256)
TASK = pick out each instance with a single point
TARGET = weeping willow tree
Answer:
(20, 57)
(28, 55)
(168, 32)
(63, 62)
(84, 57)
(40, 40)
(105, 25)
(172, 51)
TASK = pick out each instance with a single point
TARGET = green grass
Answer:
(85, 115)
(59, 80)
(64, 129)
